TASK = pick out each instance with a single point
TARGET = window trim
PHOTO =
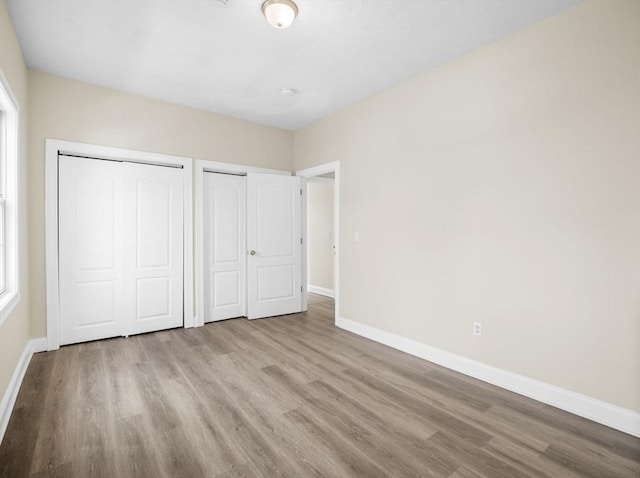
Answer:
(11, 126)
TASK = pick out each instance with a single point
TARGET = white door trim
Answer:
(200, 167)
(52, 149)
(308, 174)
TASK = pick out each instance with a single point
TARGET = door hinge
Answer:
(301, 192)
(300, 240)
(301, 289)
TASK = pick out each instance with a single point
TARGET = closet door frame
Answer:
(55, 147)
(201, 166)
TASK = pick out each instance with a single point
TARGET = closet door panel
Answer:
(153, 248)
(224, 251)
(90, 269)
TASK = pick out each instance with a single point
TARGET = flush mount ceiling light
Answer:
(280, 13)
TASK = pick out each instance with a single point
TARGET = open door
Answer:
(274, 245)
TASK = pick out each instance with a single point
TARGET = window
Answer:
(9, 140)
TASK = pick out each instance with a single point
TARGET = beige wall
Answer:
(14, 332)
(503, 187)
(75, 111)
(320, 234)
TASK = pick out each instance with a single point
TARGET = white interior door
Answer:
(90, 250)
(274, 242)
(153, 248)
(224, 246)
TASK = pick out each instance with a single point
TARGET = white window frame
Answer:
(9, 154)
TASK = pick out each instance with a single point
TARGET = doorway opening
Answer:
(321, 190)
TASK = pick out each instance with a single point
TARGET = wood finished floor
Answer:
(290, 396)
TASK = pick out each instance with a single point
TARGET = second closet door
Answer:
(224, 251)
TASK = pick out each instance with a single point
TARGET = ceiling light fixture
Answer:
(280, 13)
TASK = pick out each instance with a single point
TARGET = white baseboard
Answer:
(10, 395)
(314, 289)
(605, 413)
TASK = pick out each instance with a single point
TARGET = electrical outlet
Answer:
(477, 328)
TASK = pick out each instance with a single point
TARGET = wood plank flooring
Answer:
(291, 396)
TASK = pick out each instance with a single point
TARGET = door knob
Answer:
(252, 252)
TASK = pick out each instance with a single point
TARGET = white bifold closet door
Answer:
(224, 249)
(120, 248)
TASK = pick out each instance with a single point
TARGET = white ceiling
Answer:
(227, 59)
